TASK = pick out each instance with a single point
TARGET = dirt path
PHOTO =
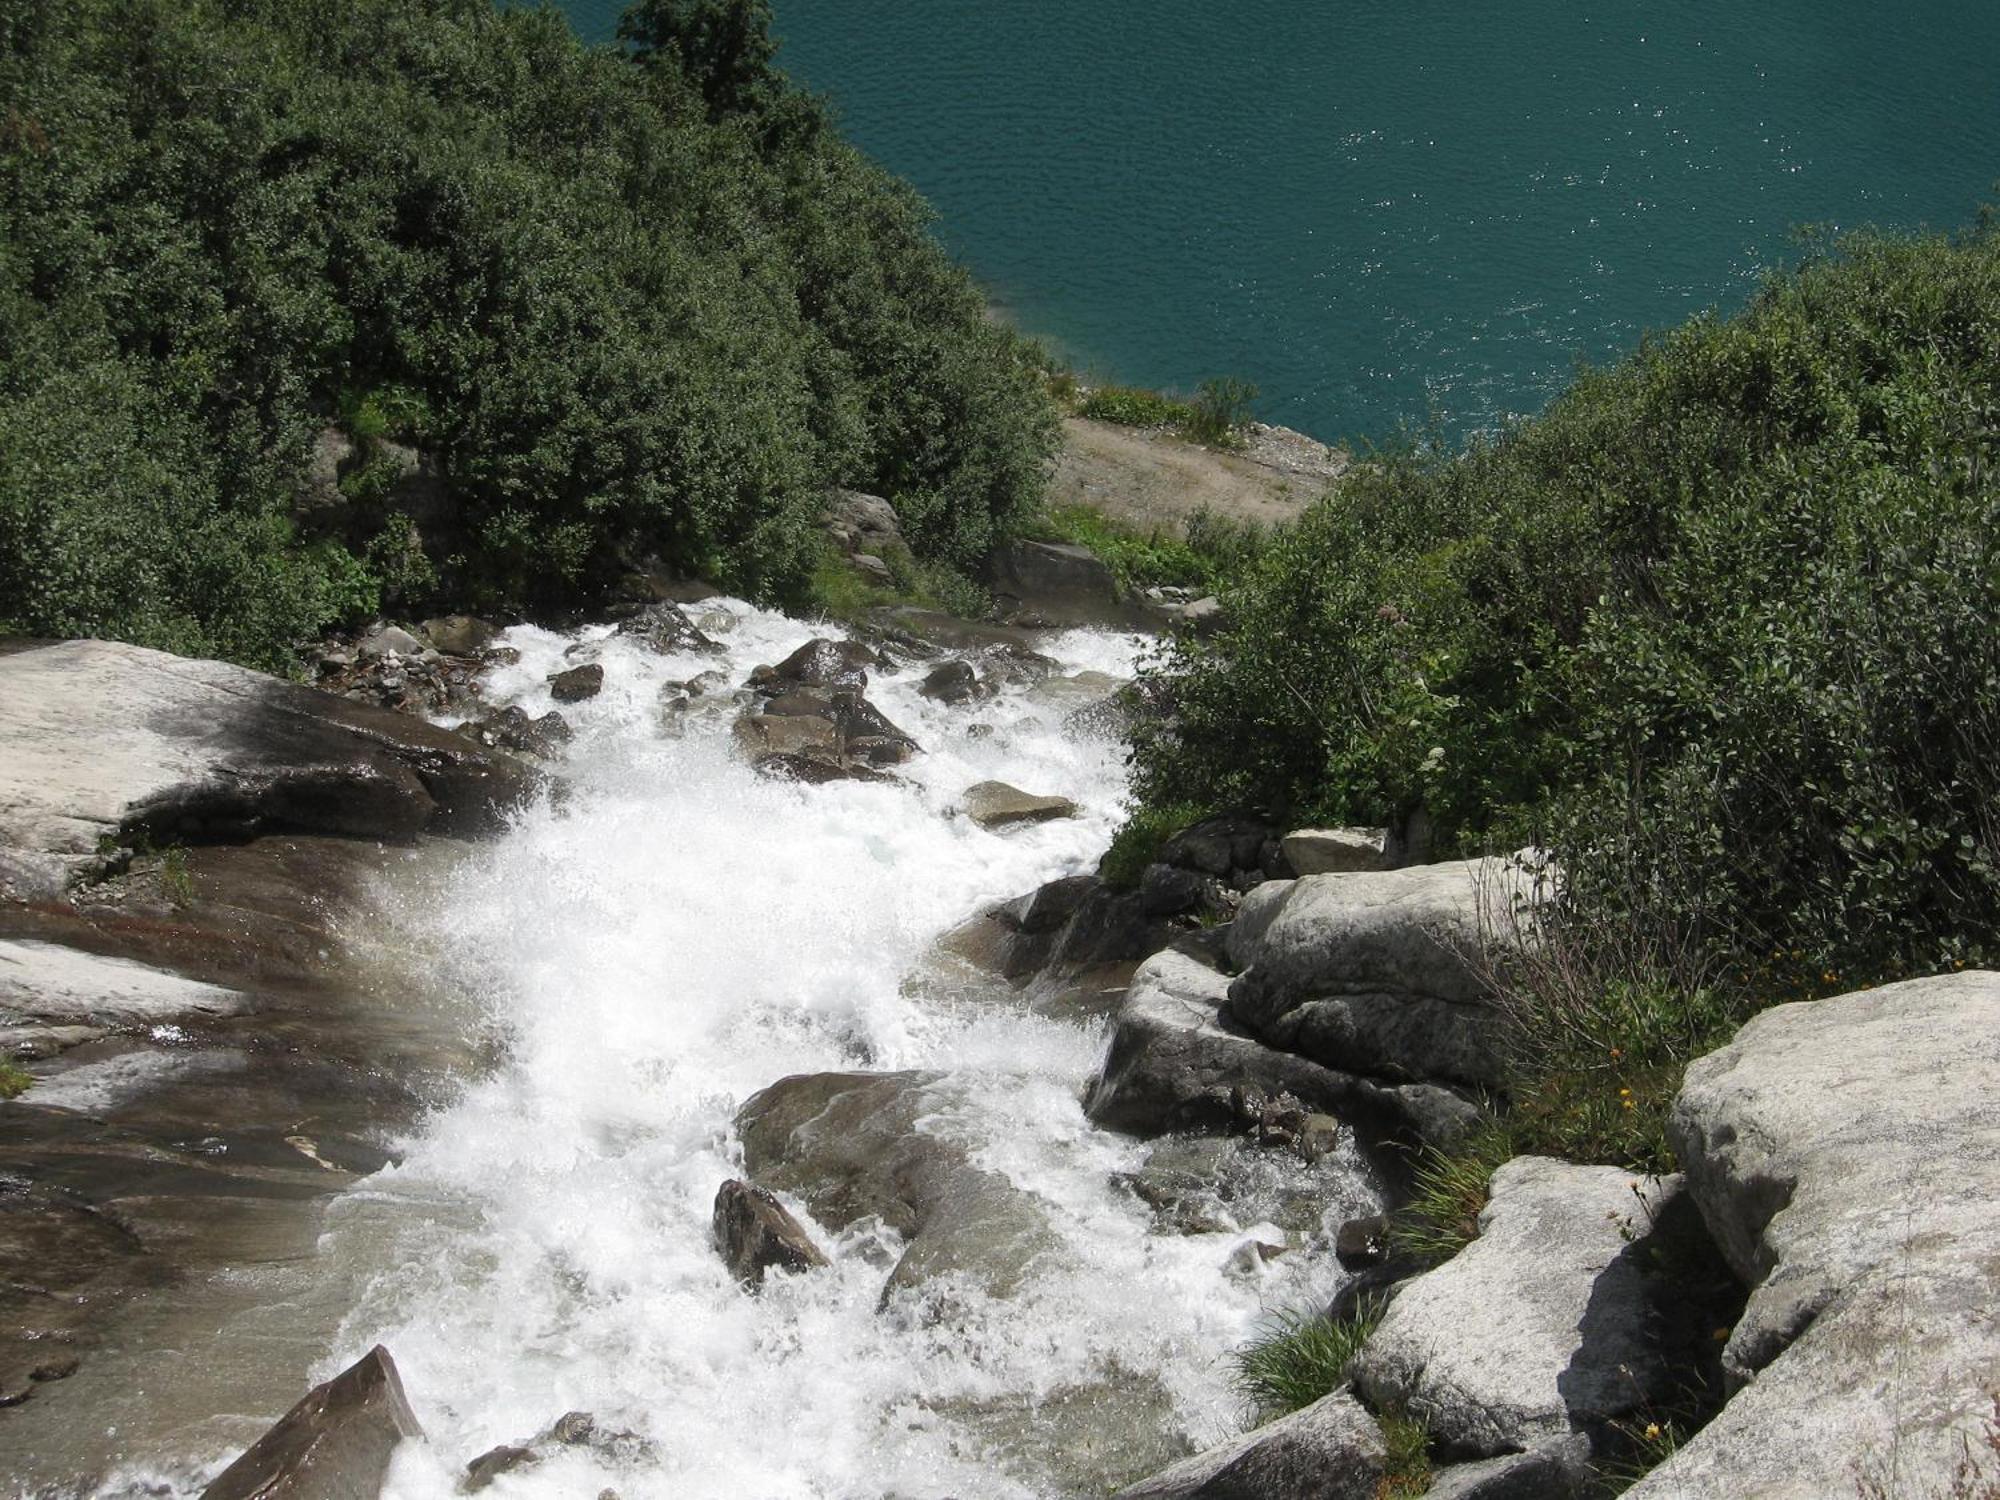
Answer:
(1146, 477)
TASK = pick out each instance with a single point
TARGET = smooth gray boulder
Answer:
(1516, 1476)
(1332, 851)
(995, 804)
(1845, 1154)
(1174, 1058)
(1331, 1450)
(335, 1444)
(1541, 1331)
(1377, 972)
(102, 742)
(852, 1146)
(51, 984)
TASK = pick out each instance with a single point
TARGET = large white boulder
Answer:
(1542, 1330)
(1845, 1154)
(102, 742)
(1377, 972)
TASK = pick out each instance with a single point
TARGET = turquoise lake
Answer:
(1397, 212)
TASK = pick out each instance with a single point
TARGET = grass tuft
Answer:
(1300, 1357)
(13, 1081)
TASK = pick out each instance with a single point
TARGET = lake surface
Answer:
(1385, 212)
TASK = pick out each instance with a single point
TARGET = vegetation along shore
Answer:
(608, 789)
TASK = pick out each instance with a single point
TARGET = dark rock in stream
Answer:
(665, 627)
(335, 1444)
(575, 1429)
(819, 663)
(577, 684)
(849, 1145)
(755, 1232)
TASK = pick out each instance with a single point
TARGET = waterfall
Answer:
(674, 932)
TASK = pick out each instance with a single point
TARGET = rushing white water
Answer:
(649, 949)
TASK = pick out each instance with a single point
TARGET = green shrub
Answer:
(1138, 840)
(1715, 628)
(1210, 551)
(1133, 406)
(1300, 1357)
(640, 303)
(13, 1081)
(1219, 413)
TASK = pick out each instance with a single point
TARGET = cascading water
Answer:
(672, 934)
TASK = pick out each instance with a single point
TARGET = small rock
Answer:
(813, 770)
(871, 567)
(491, 1464)
(1317, 1135)
(665, 628)
(755, 1232)
(386, 640)
(1362, 1242)
(820, 663)
(953, 682)
(577, 684)
(796, 734)
(994, 804)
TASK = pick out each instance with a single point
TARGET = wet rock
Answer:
(813, 770)
(819, 663)
(755, 1232)
(1328, 851)
(575, 1429)
(1378, 973)
(1542, 1331)
(1174, 1061)
(802, 703)
(1362, 1242)
(512, 728)
(460, 635)
(859, 720)
(1317, 1135)
(1845, 1155)
(334, 1445)
(1331, 1450)
(1207, 1184)
(665, 627)
(795, 735)
(578, 683)
(994, 804)
(955, 681)
(849, 1145)
(57, 985)
(61, 1260)
(105, 742)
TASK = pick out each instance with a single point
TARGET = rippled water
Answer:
(673, 934)
(1379, 210)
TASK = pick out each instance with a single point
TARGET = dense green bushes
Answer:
(1718, 628)
(634, 302)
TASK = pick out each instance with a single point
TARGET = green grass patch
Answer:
(1132, 406)
(1300, 1357)
(1407, 1471)
(1448, 1191)
(13, 1081)
(840, 591)
(1137, 842)
(1205, 557)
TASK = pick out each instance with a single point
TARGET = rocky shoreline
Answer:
(191, 852)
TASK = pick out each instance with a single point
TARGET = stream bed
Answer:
(639, 954)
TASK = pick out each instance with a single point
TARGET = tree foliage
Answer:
(1717, 628)
(634, 302)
